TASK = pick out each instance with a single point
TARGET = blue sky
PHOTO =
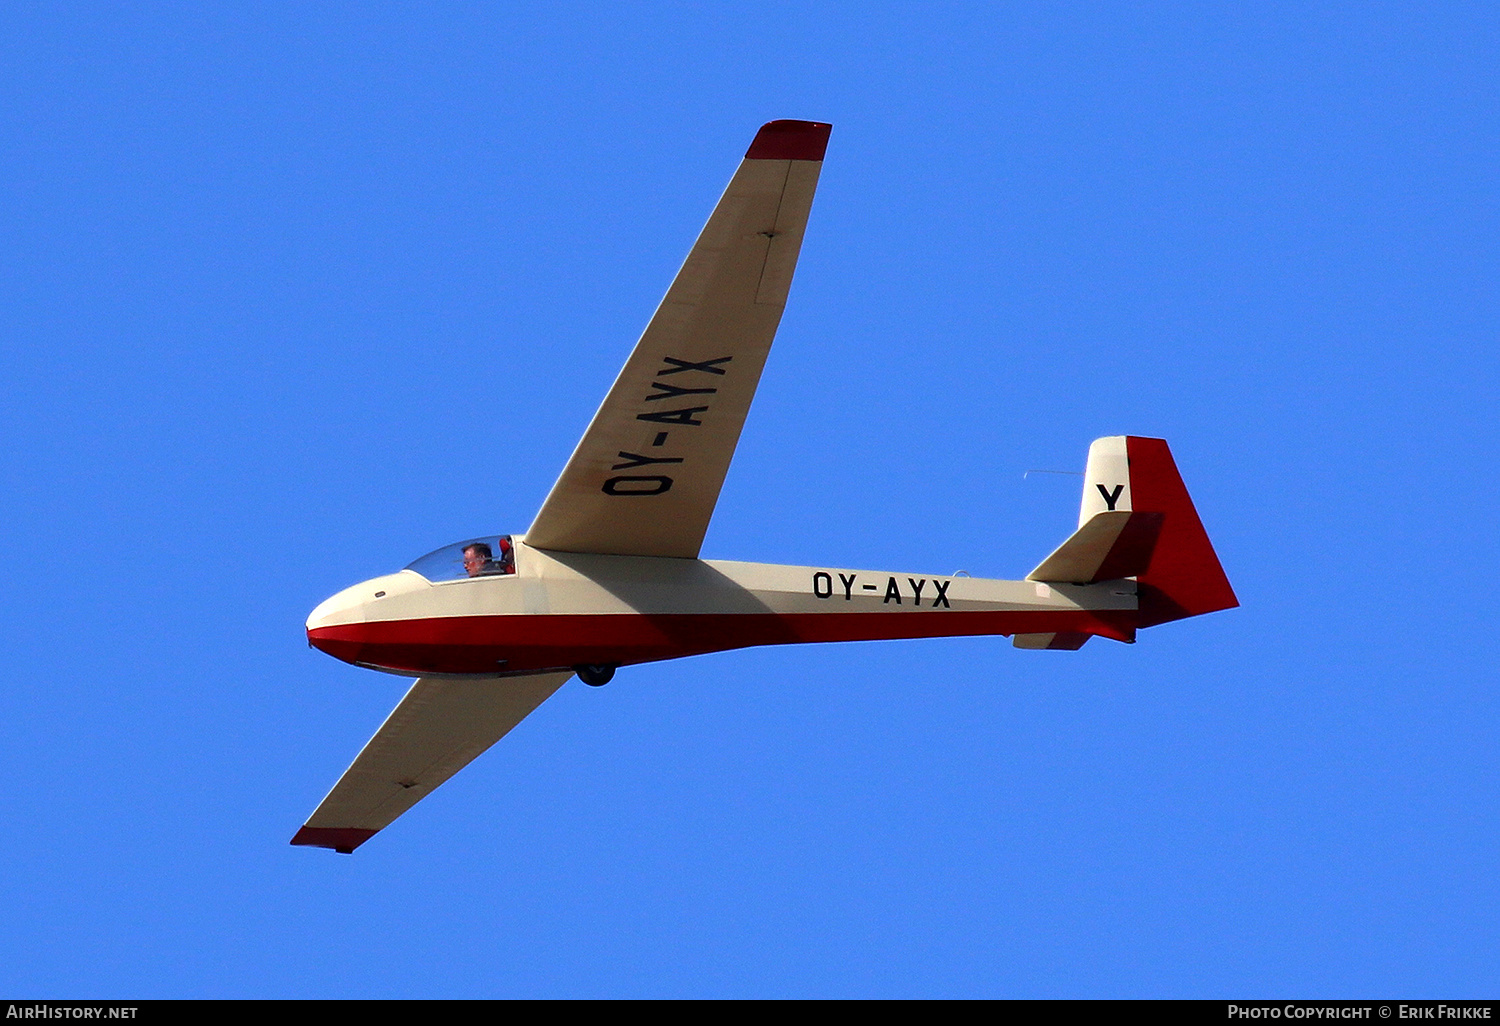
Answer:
(255, 258)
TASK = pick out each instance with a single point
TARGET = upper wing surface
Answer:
(437, 729)
(645, 477)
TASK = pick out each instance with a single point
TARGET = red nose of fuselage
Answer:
(359, 625)
(404, 624)
(336, 642)
(401, 623)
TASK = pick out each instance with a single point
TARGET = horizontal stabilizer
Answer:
(1109, 545)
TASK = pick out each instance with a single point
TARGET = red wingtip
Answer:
(790, 140)
(341, 839)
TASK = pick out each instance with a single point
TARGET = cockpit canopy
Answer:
(491, 556)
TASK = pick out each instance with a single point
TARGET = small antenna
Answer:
(1070, 473)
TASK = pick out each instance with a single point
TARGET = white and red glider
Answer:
(609, 574)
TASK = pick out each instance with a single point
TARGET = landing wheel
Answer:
(595, 676)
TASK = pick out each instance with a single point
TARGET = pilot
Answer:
(479, 559)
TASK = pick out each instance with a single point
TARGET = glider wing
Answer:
(645, 477)
(437, 729)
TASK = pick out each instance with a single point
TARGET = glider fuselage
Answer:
(609, 574)
(561, 609)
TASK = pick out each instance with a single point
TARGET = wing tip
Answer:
(341, 839)
(790, 140)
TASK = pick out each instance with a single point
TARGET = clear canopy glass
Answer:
(490, 556)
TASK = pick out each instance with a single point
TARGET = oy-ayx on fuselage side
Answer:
(561, 609)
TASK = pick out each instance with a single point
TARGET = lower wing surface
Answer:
(437, 729)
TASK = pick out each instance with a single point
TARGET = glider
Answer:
(609, 575)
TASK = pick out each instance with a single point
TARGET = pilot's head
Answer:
(477, 558)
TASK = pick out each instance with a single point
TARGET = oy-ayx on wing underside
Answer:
(609, 574)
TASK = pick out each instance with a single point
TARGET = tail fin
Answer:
(1137, 520)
